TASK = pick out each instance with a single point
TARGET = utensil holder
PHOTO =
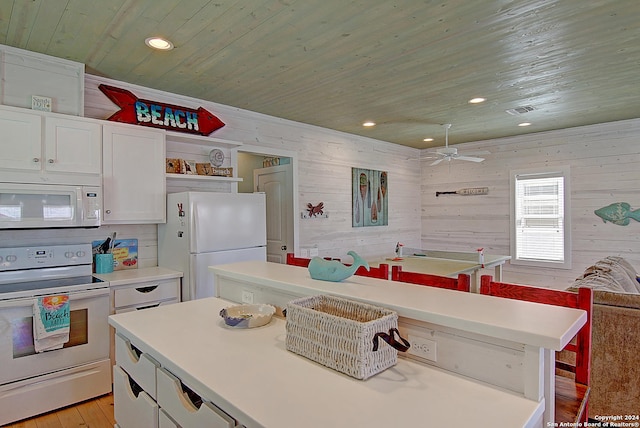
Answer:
(104, 263)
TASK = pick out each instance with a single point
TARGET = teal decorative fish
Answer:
(333, 270)
(619, 213)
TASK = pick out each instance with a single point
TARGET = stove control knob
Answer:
(11, 258)
(68, 254)
(0, 259)
(80, 254)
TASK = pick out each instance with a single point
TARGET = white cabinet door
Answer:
(37, 147)
(21, 141)
(133, 175)
(73, 146)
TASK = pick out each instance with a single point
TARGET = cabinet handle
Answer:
(36, 160)
(140, 308)
(107, 212)
(147, 289)
(191, 395)
(51, 161)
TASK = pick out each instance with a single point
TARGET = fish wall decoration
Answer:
(619, 213)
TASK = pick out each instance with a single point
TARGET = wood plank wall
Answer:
(325, 159)
(146, 235)
(604, 164)
(603, 158)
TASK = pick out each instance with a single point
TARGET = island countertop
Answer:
(544, 326)
(250, 374)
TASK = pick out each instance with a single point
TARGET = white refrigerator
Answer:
(209, 228)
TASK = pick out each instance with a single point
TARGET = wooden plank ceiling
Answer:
(409, 65)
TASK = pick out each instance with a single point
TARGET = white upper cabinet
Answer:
(133, 174)
(49, 148)
(21, 142)
(72, 145)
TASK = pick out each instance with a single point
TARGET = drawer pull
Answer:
(155, 305)
(148, 289)
(135, 350)
(135, 388)
(191, 396)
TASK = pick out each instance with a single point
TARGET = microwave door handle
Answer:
(80, 206)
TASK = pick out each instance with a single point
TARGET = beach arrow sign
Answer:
(158, 114)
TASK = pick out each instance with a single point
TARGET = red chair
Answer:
(381, 272)
(297, 261)
(572, 394)
(461, 283)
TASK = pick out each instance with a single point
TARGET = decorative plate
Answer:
(216, 157)
(247, 316)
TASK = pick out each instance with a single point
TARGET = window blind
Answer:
(540, 217)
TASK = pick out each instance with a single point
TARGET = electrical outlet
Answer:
(247, 297)
(422, 347)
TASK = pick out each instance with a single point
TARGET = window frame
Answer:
(547, 172)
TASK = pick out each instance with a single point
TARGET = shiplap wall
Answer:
(603, 158)
(604, 163)
(325, 159)
(146, 235)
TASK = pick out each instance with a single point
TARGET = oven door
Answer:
(88, 336)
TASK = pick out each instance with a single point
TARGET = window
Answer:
(540, 218)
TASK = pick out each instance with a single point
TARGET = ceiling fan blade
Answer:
(431, 155)
(436, 162)
(469, 158)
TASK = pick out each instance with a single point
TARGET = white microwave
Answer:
(29, 206)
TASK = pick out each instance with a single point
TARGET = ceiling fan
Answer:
(450, 153)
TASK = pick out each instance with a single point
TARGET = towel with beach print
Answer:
(51, 322)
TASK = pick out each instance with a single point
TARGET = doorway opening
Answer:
(273, 172)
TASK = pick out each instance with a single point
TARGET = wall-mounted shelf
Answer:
(193, 177)
(202, 140)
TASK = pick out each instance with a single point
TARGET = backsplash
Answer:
(146, 234)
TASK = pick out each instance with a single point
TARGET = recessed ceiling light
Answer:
(477, 100)
(525, 124)
(428, 139)
(159, 43)
(369, 123)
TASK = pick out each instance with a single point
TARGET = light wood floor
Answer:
(96, 413)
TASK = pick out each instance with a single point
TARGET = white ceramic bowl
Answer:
(247, 316)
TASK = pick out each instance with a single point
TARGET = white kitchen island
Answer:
(250, 376)
(506, 344)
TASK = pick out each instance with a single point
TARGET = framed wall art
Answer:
(370, 206)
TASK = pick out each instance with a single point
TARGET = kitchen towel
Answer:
(51, 322)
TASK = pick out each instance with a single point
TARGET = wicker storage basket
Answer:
(338, 333)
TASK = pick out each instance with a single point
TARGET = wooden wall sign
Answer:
(469, 191)
(160, 115)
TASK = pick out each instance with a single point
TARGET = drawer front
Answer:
(173, 399)
(146, 305)
(165, 421)
(131, 411)
(147, 292)
(140, 366)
